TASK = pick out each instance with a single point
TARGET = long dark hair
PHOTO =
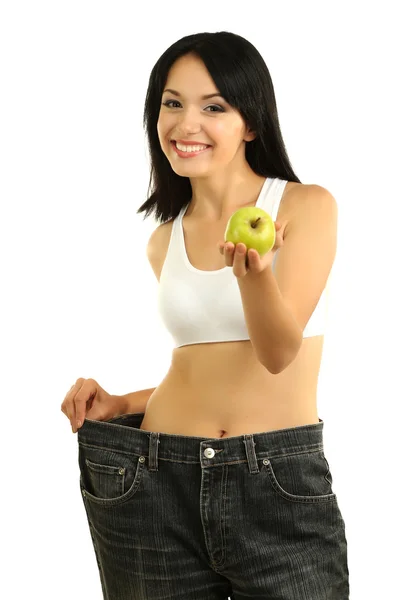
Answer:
(242, 77)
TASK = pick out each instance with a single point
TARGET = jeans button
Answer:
(209, 452)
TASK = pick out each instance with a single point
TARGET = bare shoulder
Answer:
(157, 246)
(300, 198)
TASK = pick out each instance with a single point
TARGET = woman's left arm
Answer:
(278, 305)
(274, 333)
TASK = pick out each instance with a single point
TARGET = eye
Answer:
(219, 108)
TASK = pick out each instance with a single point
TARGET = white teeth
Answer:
(185, 148)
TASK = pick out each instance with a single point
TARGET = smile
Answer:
(186, 154)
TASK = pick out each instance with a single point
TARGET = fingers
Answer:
(74, 404)
(236, 257)
(85, 393)
(228, 249)
(239, 260)
(67, 407)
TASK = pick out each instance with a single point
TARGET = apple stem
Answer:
(254, 224)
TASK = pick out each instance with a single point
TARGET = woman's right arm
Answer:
(87, 399)
(135, 402)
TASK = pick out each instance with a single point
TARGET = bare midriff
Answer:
(220, 389)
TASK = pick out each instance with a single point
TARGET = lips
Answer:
(189, 153)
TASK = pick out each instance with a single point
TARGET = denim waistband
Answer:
(122, 434)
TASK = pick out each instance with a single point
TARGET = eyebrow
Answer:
(214, 95)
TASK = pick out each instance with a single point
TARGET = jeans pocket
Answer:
(301, 477)
(107, 477)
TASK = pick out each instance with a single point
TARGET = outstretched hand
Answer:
(249, 261)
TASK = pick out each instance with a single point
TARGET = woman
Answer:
(215, 484)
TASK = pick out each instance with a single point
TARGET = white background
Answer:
(78, 297)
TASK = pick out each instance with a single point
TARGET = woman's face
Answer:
(187, 116)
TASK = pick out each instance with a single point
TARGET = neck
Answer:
(216, 199)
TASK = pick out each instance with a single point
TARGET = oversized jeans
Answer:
(182, 518)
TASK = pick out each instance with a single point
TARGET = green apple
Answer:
(253, 227)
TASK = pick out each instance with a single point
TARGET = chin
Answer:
(190, 171)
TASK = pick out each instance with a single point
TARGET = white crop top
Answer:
(199, 306)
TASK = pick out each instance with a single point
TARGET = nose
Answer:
(188, 122)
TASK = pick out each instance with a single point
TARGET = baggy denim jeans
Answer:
(182, 518)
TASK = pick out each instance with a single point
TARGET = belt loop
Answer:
(153, 450)
(250, 452)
